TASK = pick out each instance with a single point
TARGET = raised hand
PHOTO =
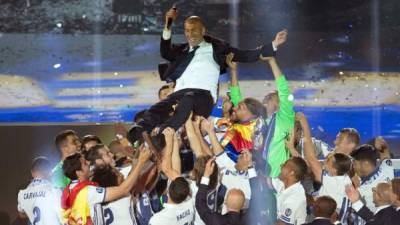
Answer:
(280, 38)
(207, 126)
(169, 134)
(232, 65)
(300, 117)
(208, 170)
(171, 14)
(352, 193)
(144, 155)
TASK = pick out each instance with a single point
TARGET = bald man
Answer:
(234, 202)
(195, 67)
(385, 214)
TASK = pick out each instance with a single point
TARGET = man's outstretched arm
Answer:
(267, 50)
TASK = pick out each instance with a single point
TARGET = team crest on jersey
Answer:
(288, 212)
(99, 190)
(389, 162)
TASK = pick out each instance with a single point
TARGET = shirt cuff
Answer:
(274, 47)
(252, 172)
(205, 180)
(166, 35)
(357, 205)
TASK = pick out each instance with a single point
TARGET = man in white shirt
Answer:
(195, 67)
(333, 175)
(291, 197)
(371, 172)
(179, 209)
(40, 199)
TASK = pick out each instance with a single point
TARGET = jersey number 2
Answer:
(108, 215)
(36, 213)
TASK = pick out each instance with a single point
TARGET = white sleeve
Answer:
(291, 212)
(223, 161)
(277, 184)
(96, 195)
(387, 167)
(166, 34)
(155, 220)
(19, 206)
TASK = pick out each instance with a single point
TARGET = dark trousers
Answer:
(197, 100)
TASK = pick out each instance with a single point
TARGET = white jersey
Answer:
(119, 212)
(383, 173)
(95, 196)
(232, 178)
(41, 202)
(175, 214)
(291, 202)
(334, 186)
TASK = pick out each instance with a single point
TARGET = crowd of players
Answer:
(258, 164)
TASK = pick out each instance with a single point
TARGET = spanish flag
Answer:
(238, 137)
(74, 204)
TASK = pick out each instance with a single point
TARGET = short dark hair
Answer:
(352, 135)
(324, 206)
(179, 190)
(301, 167)
(158, 141)
(365, 153)
(93, 153)
(72, 164)
(255, 107)
(62, 136)
(105, 176)
(165, 86)
(88, 138)
(41, 164)
(342, 163)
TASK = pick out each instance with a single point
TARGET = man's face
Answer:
(118, 151)
(194, 33)
(85, 169)
(342, 144)
(71, 145)
(271, 103)
(242, 113)
(329, 165)
(107, 157)
(285, 170)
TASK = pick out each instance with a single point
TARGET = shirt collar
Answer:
(171, 206)
(292, 187)
(321, 218)
(38, 181)
(201, 44)
(380, 208)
